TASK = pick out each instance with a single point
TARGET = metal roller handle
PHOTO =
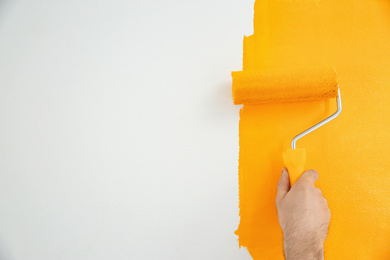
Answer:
(323, 122)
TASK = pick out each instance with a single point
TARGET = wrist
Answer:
(303, 250)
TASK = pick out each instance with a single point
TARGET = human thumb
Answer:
(283, 185)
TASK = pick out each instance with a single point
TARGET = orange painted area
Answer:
(351, 153)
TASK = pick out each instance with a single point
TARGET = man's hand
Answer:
(303, 215)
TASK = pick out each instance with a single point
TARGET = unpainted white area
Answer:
(118, 136)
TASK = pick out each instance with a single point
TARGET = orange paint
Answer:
(351, 153)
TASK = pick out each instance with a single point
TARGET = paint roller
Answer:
(288, 85)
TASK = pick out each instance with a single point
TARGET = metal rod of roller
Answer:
(323, 122)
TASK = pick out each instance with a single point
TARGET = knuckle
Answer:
(327, 214)
(326, 205)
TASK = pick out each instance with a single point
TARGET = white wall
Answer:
(118, 136)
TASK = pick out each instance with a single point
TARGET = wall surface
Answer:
(118, 136)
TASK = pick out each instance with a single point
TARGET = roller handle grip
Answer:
(294, 160)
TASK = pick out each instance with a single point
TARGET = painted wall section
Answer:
(350, 153)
